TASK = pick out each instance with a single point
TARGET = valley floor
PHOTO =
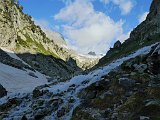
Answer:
(51, 101)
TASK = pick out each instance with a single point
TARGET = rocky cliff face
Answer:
(131, 91)
(146, 33)
(150, 27)
(19, 34)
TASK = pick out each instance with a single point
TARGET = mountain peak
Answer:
(92, 53)
(154, 9)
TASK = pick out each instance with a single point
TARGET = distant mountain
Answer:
(65, 53)
(92, 53)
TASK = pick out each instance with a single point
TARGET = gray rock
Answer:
(3, 91)
(37, 93)
(153, 102)
(50, 79)
(125, 82)
(140, 68)
(158, 76)
(157, 50)
(42, 113)
(117, 44)
(91, 95)
(144, 118)
(24, 118)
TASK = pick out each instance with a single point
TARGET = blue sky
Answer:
(88, 25)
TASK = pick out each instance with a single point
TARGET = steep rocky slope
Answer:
(129, 92)
(144, 34)
(19, 34)
(124, 89)
(45, 53)
(67, 100)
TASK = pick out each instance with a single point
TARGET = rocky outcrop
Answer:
(148, 32)
(150, 28)
(154, 10)
(53, 67)
(125, 93)
(117, 44)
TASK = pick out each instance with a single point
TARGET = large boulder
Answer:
(3, 91)
(37, 93)
(140, 68)
(127, 83)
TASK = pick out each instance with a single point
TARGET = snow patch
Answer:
(83, 81)
(18, 81)
(96, 74)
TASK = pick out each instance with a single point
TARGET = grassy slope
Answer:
(28, 43)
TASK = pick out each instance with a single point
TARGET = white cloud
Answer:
(67, 2)
(124, 5)
(124, 37)
(42, 23)
(105, 1)
(87, 29)
(45, 25)
(143, 17)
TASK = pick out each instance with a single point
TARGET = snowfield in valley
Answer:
(19, 81)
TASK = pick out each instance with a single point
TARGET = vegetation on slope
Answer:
(126, 49)
(28, 43)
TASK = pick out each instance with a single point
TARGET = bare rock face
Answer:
(146, 33)
(150, 27)
(135, 85)
(19, 33)
(154, 9)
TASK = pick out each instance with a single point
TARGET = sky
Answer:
(88, 25)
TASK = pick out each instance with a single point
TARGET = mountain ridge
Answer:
(20, 34)
(125, 85)
(145, 33)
